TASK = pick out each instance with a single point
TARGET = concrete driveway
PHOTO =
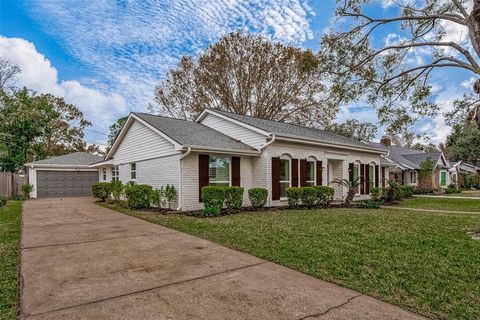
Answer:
(82, 261)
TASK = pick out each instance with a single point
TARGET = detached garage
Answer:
(63, 176)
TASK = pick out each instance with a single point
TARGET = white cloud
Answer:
(39, 75)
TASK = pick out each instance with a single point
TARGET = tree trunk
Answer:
(474, 26)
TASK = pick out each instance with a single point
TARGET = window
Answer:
(104, 174)
(454, 178)
(310, 172)
(413, 176)
(133, 171)
(284, 177)
(356, 176)
(115, 173)
(219, 171)
(443, 179)
(371, 176)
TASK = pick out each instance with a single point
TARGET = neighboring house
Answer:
(69, 175)
(462, 170)
(227, 149)
(404, 166)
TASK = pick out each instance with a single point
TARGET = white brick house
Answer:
(221, 148)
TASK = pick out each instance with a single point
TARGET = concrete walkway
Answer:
(82, 261)
(444, 197)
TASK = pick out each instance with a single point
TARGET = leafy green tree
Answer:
(353, 128)
(389, 75)
(115, 131)
(463, 143)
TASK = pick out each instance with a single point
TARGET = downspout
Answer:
(189, 150)
(268, 143)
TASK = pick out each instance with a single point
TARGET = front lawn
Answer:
(466, 193)
(10, 217)
(449, 204)
(424, 262)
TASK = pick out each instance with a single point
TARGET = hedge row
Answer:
(309, 196)
(394, 192)
(216, 198)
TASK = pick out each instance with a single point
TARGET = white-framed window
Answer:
(285, 181)
(413, 176)
(133, 171)
(219, 171)
(356, 175)
(443, 178)
(311, 172)
(454, 178)
(371, 176)
(104, 174)
(115, 173)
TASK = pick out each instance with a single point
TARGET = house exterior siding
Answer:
(235, 131)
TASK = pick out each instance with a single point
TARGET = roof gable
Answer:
(71, 159)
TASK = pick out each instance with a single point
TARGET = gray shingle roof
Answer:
(280, 128)
(190, 133)
(75, 158)
(406, 156)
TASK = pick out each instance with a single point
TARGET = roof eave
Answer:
(223, 150)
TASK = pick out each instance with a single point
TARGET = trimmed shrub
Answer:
(376, 193)
(117, 189)
(258, 197)
(452, 189)
(157, 197)
(26, 189)
(407, 191)
(3, 201)
(101, 190)
(233, 198)
(324, 195)
(138, 196)
(213, 198)
(366, 204)
(309, 196)
(170, 194)
(294, 196)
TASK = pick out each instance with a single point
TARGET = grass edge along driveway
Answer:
(10, 221)
(424, 262)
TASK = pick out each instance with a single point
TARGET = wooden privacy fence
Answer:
(11, 183)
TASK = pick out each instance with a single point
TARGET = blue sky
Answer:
(106, 56)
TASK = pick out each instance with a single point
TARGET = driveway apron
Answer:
(83, 261)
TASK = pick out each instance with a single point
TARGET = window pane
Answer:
(310, 170)
(310, 183)
(133, 166)
(371, 176)
(219, 184)
(284, 170)
(219, 169)
(283, 188)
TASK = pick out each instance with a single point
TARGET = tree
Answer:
(115, 131)
(352, 128)
(34, 127)
(464, 143)
(430, 147)
(249, 75)
(388, 74)
(402, 135)
(8, 71)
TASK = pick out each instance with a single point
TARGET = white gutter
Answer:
(189, 150)
(224, 150)
(268, 143)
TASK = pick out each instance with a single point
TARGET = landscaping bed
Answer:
(10, 220)
(424, 262)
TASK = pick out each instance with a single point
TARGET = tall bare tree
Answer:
(389, 74)
(250, 75)
(8, 71)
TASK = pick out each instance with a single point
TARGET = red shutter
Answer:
(350, 171)
(236, 171)
(367, 179)
(203, 174)
(383, 177)
(377, 167)
(275, 178)
(319, 173)
(362, 178)
(303, 172)
(294, 172)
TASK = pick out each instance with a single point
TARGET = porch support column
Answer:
(325, 172)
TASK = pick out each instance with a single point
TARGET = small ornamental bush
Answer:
(26, 189)
(3, 201)
(117, 189)
(407, 191)
(233, 198)
(157, 197)
(452, 188)
(366, 204)
(309, 196)
(324, 195)
(170, 194)
(138, 196)
(258, 197)
(376, 194)
(213, 198)
(101, 190)
(294, 196)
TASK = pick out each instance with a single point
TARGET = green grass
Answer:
(466, 193)
(10, 217)
(424, 262)
(449, 204)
